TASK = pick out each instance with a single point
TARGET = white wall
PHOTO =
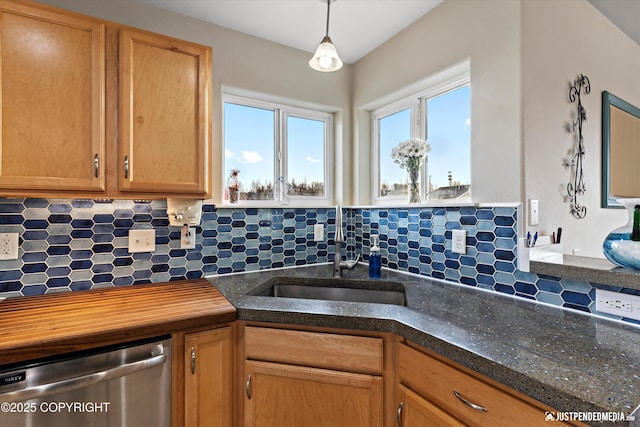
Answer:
(486, 32)
(244, 62)
(523, 54)
(562, 39)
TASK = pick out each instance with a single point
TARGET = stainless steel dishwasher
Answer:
(117, 386)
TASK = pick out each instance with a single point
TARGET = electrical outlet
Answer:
(459, 241)
(8, 246)
(187, 237)
(624, 305)
(318, 232)
(142, 241)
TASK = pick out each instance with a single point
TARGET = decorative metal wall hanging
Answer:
(576, 185)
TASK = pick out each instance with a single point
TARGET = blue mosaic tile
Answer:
(63, 248)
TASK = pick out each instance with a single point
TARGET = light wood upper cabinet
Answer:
(165, 115)
(208, 361)
(53, 91)
(95, 109)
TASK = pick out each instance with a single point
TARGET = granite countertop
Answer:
(594, 270)
(566, 359)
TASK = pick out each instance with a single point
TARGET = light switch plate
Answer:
(459, 241)
(187, 238)
(142, 241)
(8, 246)
(318, 232)
(534, 214)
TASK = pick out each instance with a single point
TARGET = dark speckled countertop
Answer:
(568, 360)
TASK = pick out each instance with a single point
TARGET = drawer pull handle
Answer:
(399, 414)
(247, 387)
(126, 167)
(469, 404)
(193, 360)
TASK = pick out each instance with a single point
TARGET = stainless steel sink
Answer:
(374, 291)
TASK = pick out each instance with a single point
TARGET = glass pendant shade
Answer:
(326, 58)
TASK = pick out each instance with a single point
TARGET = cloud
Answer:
(228, 153)
(251, 157)
(467, 123)
(312, 160)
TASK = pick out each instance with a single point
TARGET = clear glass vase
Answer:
(618, 246)
(414, 185)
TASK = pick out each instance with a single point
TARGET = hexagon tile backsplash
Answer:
(81, 244)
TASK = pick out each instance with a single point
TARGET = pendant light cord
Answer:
(328, 9)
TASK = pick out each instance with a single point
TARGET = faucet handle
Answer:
(350, 264)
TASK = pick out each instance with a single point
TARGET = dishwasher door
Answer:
(128, 385)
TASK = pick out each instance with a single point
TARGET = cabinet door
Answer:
(52, 78)
(165, 116)
(208, 378)
(463, 396)
(286, 395)
(414, 411)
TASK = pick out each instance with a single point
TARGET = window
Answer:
(441, 115)
(281, 151)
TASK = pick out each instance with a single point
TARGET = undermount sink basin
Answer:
(374, 291)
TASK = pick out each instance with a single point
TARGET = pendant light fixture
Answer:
(326, 58)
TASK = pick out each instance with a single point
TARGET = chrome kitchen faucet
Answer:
(338, 264)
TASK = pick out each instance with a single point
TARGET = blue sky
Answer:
(249, 139)
(448, 133)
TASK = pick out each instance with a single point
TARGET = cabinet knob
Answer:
(193, 360)
(247, 387)
(399, 414)
(469, 404)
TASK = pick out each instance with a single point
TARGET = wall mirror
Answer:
(620, 150)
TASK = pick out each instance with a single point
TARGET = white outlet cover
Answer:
(8, 246)
(318, 232)
(459, 241)
(142, 241)
(619, 304)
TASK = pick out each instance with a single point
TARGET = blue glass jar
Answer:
(620, 246)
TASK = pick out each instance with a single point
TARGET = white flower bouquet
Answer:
(409, 155)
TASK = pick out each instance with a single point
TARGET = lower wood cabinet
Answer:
(415, 411)
(208, 378)
(328, 377)
(434, 390)
(311, 379)
(288, 395)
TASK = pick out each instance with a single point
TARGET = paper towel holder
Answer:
(183, 212)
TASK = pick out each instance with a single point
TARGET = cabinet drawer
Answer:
(322, 350)
(436, 381)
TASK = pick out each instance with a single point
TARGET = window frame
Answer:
(417, 103)
(282, 111)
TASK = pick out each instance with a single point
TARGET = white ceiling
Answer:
(623, 13)
(356, 27)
